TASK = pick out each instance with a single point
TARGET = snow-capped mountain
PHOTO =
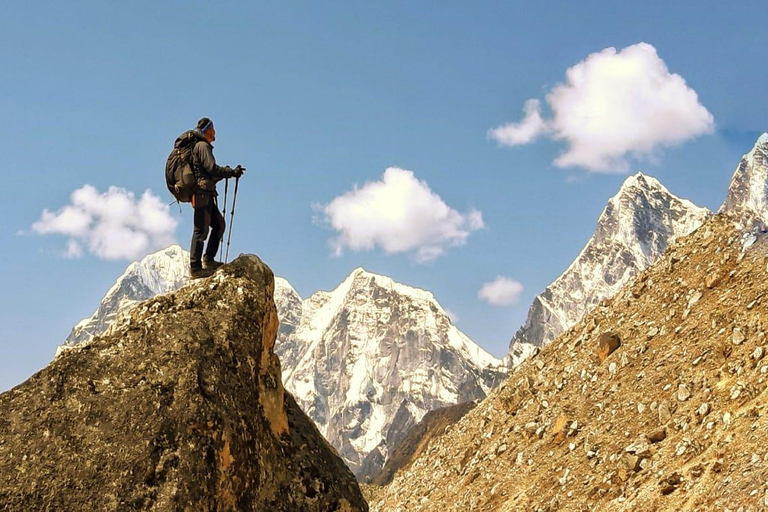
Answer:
(634, 229)
(368, 360)
(162, 272)
(747, 197)
(365, 361)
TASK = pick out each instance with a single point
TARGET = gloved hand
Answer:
(239, 170)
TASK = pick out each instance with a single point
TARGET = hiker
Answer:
(205, 203)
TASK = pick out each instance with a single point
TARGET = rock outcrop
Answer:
(179, 406)
(674, 418)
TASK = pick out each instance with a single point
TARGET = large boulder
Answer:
(179, 406)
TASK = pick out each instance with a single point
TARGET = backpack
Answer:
(179, 177)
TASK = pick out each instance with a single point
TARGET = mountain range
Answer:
(369, 359)
(365, 361)
(654, 400)
(634, 229)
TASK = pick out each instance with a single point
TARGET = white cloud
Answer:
(113, 225)
(502, 291)
(400, 214)
(532, 125)
(614, 105)
(74, 249)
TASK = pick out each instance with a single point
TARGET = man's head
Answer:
(205, 125)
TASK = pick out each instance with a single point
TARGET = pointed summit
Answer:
(747, 197)
(640, 181)
(161, 272)
(643, 216)
(640, 184)
(361, 278)
(634, 229)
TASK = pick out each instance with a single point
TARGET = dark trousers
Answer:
(206, 217)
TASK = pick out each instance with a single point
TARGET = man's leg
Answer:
(202, 222)
(218, 226)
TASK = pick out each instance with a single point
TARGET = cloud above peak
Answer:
(113, 225)
(399, 214)
(613, 105)
(530, 128)
(502, 291)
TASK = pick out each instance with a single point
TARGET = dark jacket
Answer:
(204, 165)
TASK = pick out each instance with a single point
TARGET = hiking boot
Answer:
(197, 273)
(211, 264)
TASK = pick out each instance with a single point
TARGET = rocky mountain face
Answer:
(368, 360)
(747, 197)
(365, 361)
(179, 406)
(158, 273)
(655, 400)
(635, 228)
(416, 441)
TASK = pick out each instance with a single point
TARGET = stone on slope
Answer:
(606, 345)
(179, 406)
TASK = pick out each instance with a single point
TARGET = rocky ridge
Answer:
(414, 443)
(633, 230)
(674, 371)
(179, 406)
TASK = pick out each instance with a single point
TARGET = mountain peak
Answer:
(160, 272)
(640, 206)
(747, 197)
(761, 141)
(370, 358)
(633, 230)
(641, 183)
(172, 251)
(360, 277)
(283, 286)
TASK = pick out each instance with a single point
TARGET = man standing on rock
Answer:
(205, 203)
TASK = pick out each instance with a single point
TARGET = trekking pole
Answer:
(224, 214)
(232, 218)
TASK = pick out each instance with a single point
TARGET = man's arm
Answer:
(207, 163)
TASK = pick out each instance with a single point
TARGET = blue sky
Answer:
(317, 99)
